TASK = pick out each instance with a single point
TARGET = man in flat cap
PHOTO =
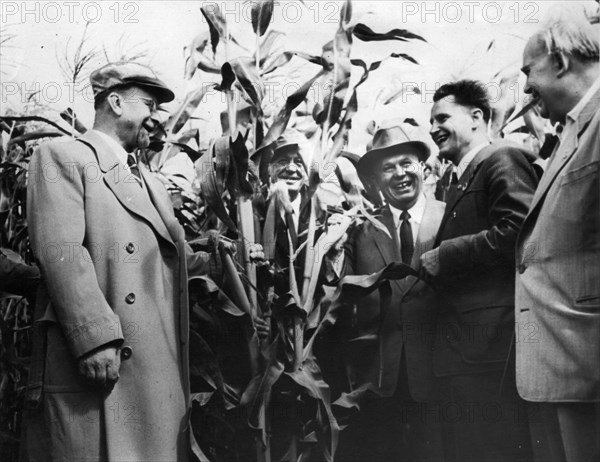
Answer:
(389, 347)
(112, 380)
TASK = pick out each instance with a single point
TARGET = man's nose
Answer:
(434, 128)
(527, 88)
(400, 170)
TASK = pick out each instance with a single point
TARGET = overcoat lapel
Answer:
(163, 206)
(124, 185)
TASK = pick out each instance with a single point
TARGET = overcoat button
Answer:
(130, 299)
(453, 215)
(126, 352)
(130, 247)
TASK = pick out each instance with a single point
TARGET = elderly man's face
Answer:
(541, 82)
(288, 167)
(400, 177)
(138, 118)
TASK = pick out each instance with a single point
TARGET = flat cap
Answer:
(129, 73)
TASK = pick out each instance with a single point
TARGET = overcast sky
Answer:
(458, 35)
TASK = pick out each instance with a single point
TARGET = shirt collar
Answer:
(573, 114)
(116, 148)
(468, 158)
(416, 211)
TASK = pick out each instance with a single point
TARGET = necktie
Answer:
(550, 142)
(407, 246)
(133, 166)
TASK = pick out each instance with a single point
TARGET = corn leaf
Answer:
(69, 116)
(35, 135)
(191, 102)
(283, 117)
(237, 183)
(523, 110)
(217, 25)
(266, 45)
(197, 58)
(366, 34)
(211, 192)
(247, 75)
(257, 395)
(34, 119)
(285, 57)
(261, 13)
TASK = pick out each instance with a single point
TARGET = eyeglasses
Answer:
(149, 102)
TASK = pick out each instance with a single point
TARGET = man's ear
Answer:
(477, 117)
(115, 101)
(561, 63)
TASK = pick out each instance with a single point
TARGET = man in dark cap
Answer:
(389, 344)
(111, 379)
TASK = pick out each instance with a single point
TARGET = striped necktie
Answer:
(133, 166)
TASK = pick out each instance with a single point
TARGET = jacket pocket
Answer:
(580, 173)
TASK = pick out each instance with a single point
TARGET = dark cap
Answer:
(389, 141)
(129, 73)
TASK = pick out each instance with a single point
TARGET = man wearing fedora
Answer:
(472, 268)
(388, 347)
(111, 381)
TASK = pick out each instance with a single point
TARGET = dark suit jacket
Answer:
(382, 330)
(476, 244)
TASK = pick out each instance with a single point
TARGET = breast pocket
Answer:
(577, 196)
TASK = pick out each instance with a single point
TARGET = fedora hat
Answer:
(400, 138)
(129, 73)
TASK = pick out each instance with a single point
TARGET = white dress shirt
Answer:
(570, 127)
(416, 216)
(116, 148)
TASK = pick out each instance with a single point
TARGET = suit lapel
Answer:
(463, 185)
(565, 151)
(432, 216)
(124, 185)
(388, 248)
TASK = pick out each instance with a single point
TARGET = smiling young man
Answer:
(389, 344)
(558, 250)
(112, 368)
(472, 267)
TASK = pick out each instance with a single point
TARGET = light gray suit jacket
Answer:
(558, 273)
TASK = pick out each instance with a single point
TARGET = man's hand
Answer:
(256, 253)
(101, 367)
(337, 247)
(430, 262)
(263, 327)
